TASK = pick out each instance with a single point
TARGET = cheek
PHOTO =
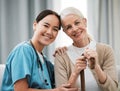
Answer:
(68, 33)
(55, 34)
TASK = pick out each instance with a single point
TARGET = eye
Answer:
(68, 27)
(55, 29)
(77, 23)
(45, 25)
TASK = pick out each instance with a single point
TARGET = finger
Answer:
(59, 51)
(82, 58)
(92, 63)
(79, 66)
(63, 50)
(73, 89)
(66, 85)
(81, 62)
(55, 53)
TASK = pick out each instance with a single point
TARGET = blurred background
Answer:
(17, 16)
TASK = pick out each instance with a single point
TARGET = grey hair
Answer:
(71, 10)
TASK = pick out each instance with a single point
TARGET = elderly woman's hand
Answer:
(92, 57)
(80, 65)
(66, 87)
(60, 51)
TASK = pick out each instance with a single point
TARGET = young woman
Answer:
(27, 68)
(96, 59)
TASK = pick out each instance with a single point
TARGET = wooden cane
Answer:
(82, 80)
(82, 75)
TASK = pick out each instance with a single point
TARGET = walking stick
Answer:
(82, 75)
(82, 80)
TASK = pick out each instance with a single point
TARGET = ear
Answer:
(34, 25)
(85, 21)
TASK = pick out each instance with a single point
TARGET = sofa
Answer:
(2, 67)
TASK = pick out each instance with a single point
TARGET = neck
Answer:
(37, 46)
(82, 43)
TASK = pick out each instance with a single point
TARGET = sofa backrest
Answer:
(2, 67)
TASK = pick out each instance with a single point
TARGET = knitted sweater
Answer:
(64, 67)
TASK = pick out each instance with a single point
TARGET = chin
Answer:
(46, 44)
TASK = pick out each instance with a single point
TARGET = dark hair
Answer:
(44, 13)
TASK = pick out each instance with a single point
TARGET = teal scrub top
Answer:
(22, 63)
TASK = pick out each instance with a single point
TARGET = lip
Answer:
(77, 34)
(48, 37)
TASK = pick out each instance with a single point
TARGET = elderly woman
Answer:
(96, 59)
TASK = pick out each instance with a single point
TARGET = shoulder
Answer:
(23, 47)
(103, 46)
(21, 50)
(22, 54)
(104, 50)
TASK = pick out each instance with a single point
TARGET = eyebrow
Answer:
(74, 21)
(46, 23)
(54, 26)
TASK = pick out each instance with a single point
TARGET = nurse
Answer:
(27, 68)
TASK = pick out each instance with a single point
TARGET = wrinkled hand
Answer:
(67, 87)
(92, 57)
(80, 65)
(60, 51)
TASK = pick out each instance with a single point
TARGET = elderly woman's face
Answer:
(74, 26)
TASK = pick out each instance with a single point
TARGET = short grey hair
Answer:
(71, 10)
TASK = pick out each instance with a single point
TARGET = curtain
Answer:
(16, 19)
(104, 23)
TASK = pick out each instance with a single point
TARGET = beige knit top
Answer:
(64, 68)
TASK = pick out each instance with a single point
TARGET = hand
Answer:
(80, 65)
(66, 87)
(60, 51)
(92, 57)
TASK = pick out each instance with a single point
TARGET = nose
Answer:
(49, 31)
(74, 27)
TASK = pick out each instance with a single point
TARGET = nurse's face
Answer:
(46, 30)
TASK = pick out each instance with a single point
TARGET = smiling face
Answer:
(74, 27)
(46, 30)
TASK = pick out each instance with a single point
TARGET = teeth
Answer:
(48, 36)
(76, 34)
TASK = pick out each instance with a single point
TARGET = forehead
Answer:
(69, 19)
(51, 19)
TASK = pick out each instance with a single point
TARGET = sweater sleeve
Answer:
(108, 66)
(61, 70)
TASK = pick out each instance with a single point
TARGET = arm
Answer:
(80, 65)
(105, 72)
(109, 68)
(92, 57)
(63, 68)
(62, 73)
(25, 65)
(22, 85)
